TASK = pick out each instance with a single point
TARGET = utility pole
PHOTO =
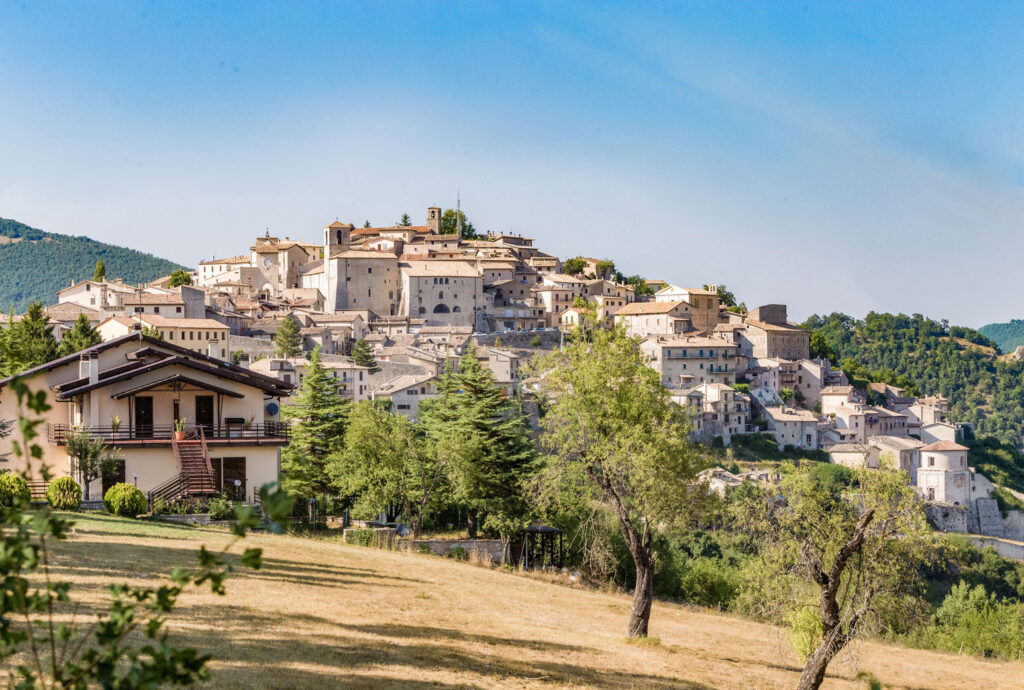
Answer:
(458, 213)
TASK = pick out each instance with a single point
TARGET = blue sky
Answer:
(832, 156)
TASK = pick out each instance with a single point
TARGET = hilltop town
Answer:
(388, 308)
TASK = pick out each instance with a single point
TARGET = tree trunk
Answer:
(471, 523)
(643, 596)
(85, 489)
(814, 669)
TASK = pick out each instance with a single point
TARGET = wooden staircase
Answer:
(195, 473)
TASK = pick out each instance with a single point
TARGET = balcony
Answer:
(160, 435)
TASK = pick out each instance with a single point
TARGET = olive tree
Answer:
(614, 437)
(835, 558)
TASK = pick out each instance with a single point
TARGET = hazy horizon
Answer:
(849, 157)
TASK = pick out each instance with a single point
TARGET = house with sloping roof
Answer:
(129, 390)
(643, 319)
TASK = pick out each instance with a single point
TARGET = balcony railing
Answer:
(161, 434)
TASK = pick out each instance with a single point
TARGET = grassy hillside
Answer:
(322, 614)
(36, 264)
(1009, 336)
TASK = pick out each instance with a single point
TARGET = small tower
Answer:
(336, 234)
(434, 220)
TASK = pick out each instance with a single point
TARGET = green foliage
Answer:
(360, 537)
(457, 553)
(451, 220)
(725, 297)
(482, 439)
(28, 342)
(640, 286)
(100, 274)
(1008, 336)
(615, 440)
(220, 508)
(574, 266)
(288, 339)
(605, 268)
(13, 490)
(405, 221)
(851, 557)
(64, 493)
(535, 341)
(124, 500)
(973, 621)
(935, 359)
(39, 263)
(318, 415)
(152, 332)
(363, 355)
(786, 394)
(81, 336)
(385, 462)
(741, 388)
(90, 455)
(179, 277)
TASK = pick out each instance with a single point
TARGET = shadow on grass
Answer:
(410, 659)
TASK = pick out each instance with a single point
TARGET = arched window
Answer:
(440, 295)
(441, 309)
(456, 310)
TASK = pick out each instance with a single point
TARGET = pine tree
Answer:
(81, 336)
(366, 224)
(100, 274)
(485, 442)
(319, 416)
(27, 343)
(288, 340)
(405, 221)
(363, 356)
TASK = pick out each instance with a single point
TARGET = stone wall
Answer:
(947, 518)
(250, 346)
(1005, 548)
(520, 340)
(484, 548)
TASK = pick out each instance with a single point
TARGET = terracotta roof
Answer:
(783, 327)
(638, 308)
(151, 298)
(943, 446)
(240, 259)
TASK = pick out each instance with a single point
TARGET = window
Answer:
(369, 269)
(156, 310)
(177, 310)
(88, 287)
(191, 335)
(171, 334)
(138, 310)
(403, 406)
(931, 461)
(440, 295)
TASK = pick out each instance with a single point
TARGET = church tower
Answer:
(434, 220)
(337, 234)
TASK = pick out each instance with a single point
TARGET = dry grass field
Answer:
(322, 614)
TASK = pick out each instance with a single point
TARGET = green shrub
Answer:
(423, 548)
(125, 500)
(362, 537)
(159, 506)
(220, 508)
(13, 487)
(64, 493)
(535, 341)
(458, 553)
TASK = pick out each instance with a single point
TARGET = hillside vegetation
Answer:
(938, 359)
(1009, 336)
(322, 614)
(36, 264)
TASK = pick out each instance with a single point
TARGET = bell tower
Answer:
(336, 234)
(434, 220)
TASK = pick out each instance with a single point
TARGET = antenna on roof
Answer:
(458, 213)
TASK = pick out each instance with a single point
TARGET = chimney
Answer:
(89, 366)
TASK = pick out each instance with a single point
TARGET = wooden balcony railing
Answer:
(57, 434)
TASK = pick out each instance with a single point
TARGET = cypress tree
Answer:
(288, 340)
(319, 416)
(81, 336)
(363, 356)
(100, 274)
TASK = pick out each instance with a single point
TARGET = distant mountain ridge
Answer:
(1008, 335)
(34, 264)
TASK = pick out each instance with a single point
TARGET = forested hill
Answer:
(1010, 335)
(35, 264)
(959, 363)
